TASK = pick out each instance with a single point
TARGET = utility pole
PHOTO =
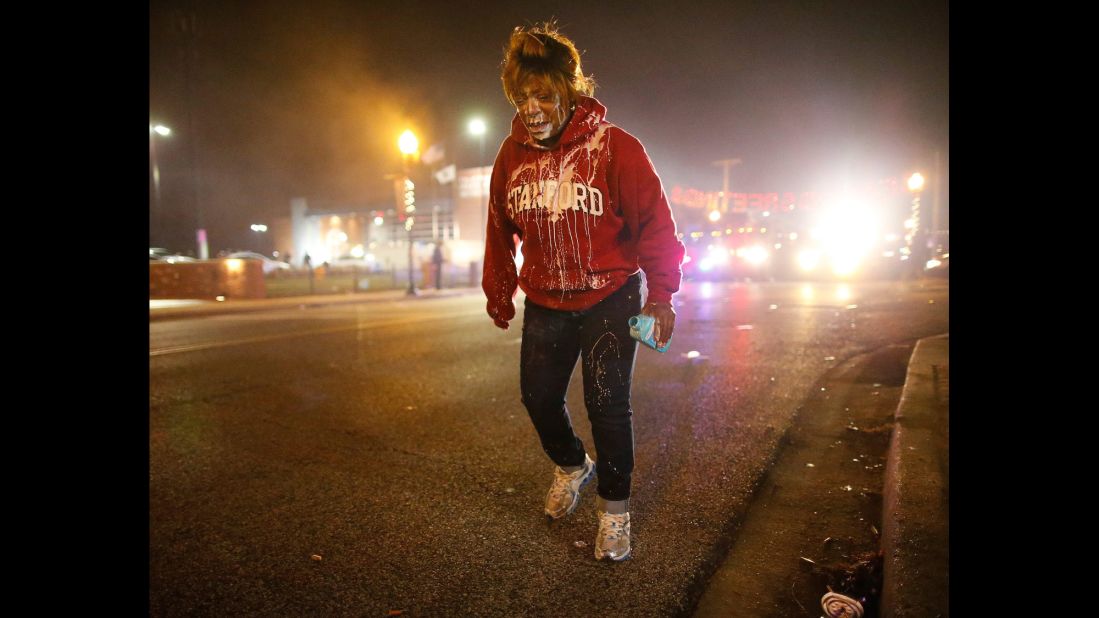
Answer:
(936, 221)
(726, 163)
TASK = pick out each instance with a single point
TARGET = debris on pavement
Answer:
(316, 557)
(580, 544)
(836, 605)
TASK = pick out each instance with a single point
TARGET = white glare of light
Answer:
(762, 230)
(693, 354)
(714, 216)
(905, 251)
(378, 220)
(904, 257)
(477, 126)
(705, 264)
(766, 213)
(162, 130)
(357, 251)
(715, 233)
(234, 265)
(408, 143)
(844, 265)
(756, 255)
(843, 292)
(717, 254)
(915, 182)
(220, 299)
(888, 254)
(706, 289)
(259, 227)
(933, 263)
(778, 246)
(808, 259)
(909, 224)
(807, 292)
(891, 237)
(793, 235)
(686, 258)
(815, 234)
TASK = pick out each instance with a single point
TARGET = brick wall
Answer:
(207, 279)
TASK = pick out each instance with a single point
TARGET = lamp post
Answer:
(477, 128)
(163, 131)
(915, 238)
(409, 147)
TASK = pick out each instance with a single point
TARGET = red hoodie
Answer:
(590, 212)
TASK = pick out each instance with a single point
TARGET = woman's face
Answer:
(541, 110)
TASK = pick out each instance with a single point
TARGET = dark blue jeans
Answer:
(600, 337)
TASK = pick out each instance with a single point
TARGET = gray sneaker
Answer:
(613, 539)
(564, 494)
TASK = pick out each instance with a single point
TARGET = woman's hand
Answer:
(665, 321)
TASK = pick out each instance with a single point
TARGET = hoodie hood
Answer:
(585, 121)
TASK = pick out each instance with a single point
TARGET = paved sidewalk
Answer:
(915, 518)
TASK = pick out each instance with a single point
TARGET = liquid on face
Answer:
(541, 111)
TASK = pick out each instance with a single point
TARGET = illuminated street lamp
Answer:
(915, 182)
(477, 127)
(914, 236)
(163, 131)
(410, 147)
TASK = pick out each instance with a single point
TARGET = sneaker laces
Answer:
(561, 480)
(612, 526)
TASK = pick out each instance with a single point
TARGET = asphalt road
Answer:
(367, 458)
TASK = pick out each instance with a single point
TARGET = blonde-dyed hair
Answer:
(542, 52)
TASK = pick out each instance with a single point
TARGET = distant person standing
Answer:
(583, 197)
(307, 261)
(437, 259)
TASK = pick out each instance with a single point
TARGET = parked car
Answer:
(159, 254)
(366, 263)
(269, 265)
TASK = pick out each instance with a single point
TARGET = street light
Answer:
(409, 147)
(477, 127)
(163, 131)
(914, 237)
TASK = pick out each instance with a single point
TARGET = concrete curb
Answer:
(170, 310)
(915, 517)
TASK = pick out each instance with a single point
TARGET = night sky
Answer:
(274, 100)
